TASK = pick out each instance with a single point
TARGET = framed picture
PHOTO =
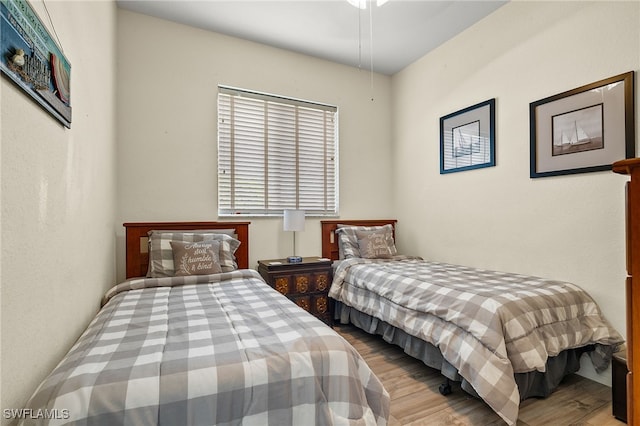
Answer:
(583, 130)
(467, 138)
(33, 61)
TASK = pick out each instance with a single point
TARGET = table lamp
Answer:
(293, 221)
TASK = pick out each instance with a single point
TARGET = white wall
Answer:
(58, 203)
(167, 134)
(568, 228)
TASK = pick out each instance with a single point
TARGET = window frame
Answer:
(306, 181)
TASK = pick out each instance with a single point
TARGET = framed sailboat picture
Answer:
(467, 138)
(584, 129)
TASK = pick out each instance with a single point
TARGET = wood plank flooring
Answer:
(415, 399)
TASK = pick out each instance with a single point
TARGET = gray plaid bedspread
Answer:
(489, 325)
(222, 349)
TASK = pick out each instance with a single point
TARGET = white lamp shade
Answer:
(293, 220)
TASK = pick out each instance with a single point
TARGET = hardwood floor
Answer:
(415, 399)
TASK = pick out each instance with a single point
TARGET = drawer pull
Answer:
(303, 303)
(321, 282)
(302, 284)
(321, 305)
(282, 285)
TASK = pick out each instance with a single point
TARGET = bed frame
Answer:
(329, 241)
(527, 382)
(137, 241)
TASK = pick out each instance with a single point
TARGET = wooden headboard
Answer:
(329, 240)
(137, 241)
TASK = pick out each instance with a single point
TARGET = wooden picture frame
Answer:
(467, 138)
(583, 130)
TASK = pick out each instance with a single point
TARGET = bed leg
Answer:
(445, 388)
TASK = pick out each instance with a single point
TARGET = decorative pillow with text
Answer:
(197, 258)
(161, 252)
(374, 246)
(349, 236)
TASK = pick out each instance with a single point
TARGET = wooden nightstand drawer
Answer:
(317, 304)
(306, 283)
(321, 281)
(311, 282)
(280, 283)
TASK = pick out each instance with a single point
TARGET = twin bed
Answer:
(193, 336)
(505, 337)
(204, 340)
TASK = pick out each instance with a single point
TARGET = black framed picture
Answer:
(583, 130)
(467, 138)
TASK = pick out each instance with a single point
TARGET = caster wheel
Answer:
(445, 389)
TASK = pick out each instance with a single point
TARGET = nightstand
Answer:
(306, 283)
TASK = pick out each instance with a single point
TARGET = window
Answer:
(275, 153)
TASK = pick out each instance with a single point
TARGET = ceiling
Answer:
(400, 31)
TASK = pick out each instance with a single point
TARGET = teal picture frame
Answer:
(467, 138)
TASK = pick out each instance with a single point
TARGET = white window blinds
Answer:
(275, 153)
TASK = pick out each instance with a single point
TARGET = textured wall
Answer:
(58, 203)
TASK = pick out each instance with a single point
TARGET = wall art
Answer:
(32, 60)
(467, 138)
(583, 130)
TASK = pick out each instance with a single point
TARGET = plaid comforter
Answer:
(489, 325)
(222, 349)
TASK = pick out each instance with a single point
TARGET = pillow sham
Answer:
(199, 258)
(374, 246)
(348, 237)
(161, 254)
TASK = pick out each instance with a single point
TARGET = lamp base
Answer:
(294, 259)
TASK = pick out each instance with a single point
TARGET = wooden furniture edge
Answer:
(625, 167)
(330, 243)
(137, 257)
(631, 167)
